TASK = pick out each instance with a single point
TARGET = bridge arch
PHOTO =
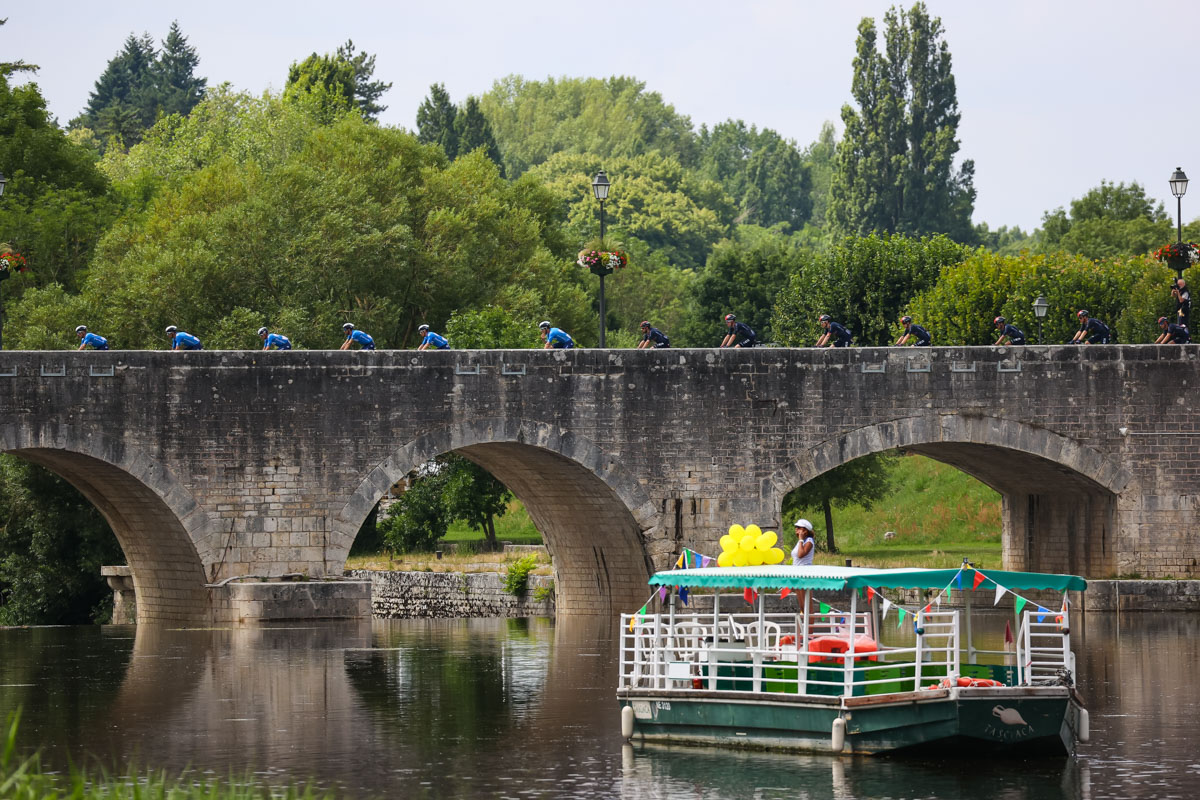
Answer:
(165, 534)
(593, 513)
(1060, 497)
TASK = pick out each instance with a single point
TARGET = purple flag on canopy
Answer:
(662, 593)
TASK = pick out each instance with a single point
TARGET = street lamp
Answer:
(3, 275)
(1040, 307)
(600, 189)
(1179, 182)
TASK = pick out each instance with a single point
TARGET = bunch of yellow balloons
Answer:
(749, 547)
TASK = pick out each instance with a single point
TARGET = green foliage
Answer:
(607, 118)
(366, 91)
(543, 592)
(472, 132)
(864, 283)
(1109, 221)
(765, 174)
(435, 121)
(52, 545)
(472, 495)
(330, 80)
(895, 165)
(490, 328)
(1129, 294)
(863, 482)
(516, 576)
(418, 518)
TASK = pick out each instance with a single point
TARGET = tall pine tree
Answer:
(472, 131)
(895, 166)
(435, 121)
(366, 91)
(179, 88)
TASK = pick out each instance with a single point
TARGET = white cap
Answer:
(803, 523)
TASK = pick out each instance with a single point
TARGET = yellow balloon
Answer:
(725, 559)
(774, 556)
(729, 542)
(754, 530)
(772, 538)
(736, 530)
(739, 558)
(748, 542)
(755, 558)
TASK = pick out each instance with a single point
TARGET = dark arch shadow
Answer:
(1060, 498)
(163, 532)
(593, 515)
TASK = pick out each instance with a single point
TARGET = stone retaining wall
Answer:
(407, 595)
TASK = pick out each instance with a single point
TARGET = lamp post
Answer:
(1179, 182)
(600, 189)
(5, 273)
(1040, 307)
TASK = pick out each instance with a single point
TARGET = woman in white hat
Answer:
(802, 553)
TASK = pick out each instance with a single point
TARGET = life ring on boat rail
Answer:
(966, 683)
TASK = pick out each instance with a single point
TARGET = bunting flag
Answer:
(1019, 604)
(899, 616)
(1008, 637)
(679, 561)
(683, 594)
(1000, 590)
(705, 561)
(697, 559)
(750, 595)
(870, 593)
(1042, 614)
(824, 608)
(886, 605)
(926, 609)
(937, 601)
(662, 593)
(635, 618)
(978, 580)
(784, 592)
(958, 580)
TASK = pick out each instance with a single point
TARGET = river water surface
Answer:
(527, 708)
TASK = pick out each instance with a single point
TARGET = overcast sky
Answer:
(1055, 96)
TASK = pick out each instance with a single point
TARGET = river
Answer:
(526, 708)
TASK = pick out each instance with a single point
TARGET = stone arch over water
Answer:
(165, 535)
(593, 514)
(1061, 499)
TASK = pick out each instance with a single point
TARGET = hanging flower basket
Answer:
(10, 263)
(1178, 255)
(603, 262)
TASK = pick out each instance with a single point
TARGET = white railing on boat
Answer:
(768, 653)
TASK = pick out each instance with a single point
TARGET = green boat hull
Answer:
(1024, 721)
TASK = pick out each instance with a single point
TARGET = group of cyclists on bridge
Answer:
(738, 334)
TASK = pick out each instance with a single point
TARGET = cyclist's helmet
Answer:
(1162, 321)
(998, 321)
(81, 329)
(1081, 313)
(730, 318)
(645, 323)
(825, 318)
(349, 326)
(262, 331)
(544, 325)
(905, 320)
(171, 329)
(422, 329)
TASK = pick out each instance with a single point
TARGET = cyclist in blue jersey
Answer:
(739, 333)
(1173, 332)
(1011, 333)
(914, 331)
(1095, 331)
(835, 335)
(431, 340)
(274, 340)
(90, 339)
(554, 338)
(365, 342)
(652, 337)
(182, 340)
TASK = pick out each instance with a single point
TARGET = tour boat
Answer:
(815, 677)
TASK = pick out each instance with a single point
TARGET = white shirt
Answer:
(807, 559)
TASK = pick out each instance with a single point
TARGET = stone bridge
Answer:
(214, 465)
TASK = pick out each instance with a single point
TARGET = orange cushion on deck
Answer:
(835, 645)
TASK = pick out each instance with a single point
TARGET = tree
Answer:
(366, 91)
(179, 88)
(435, 121)
(473, 495)
(9, 67)
(330, 79)
(1109, 221)
(418, 518)
(763, 172)
(864, 283)
(863, 481)
(472, 131)
(895, 165)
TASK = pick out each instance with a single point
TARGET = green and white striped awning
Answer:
(831, 577)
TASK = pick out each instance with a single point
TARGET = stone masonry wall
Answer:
(407, 595)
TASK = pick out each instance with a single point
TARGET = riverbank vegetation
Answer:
(219, 209)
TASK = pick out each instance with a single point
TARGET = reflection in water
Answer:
(452, 708)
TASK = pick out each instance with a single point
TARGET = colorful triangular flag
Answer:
(785, 592)
(662, 593)
(750, 595)
(683, 594)
(1042, 614)
(899, 616)
(870, 593)
(704, 562)
(1019, 604)
(978, 580)
(824, 608)
(886, 605)
(679, 561)
(1008, 637)
(697, 559)
(958, 580)
(1000, 590)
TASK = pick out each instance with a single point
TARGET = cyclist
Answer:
(652, 337)
(365, 342)
(911, 329)
(182, 340)
(835, 335)
(90, 339)
(429, 339)
(740, 334)
(274, 340)
(1173, 332)
(1095, 331)
(1009, 334)
(555, 338)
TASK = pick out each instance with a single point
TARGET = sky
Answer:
(1055, 95)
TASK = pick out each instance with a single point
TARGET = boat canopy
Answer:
(833, 577)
